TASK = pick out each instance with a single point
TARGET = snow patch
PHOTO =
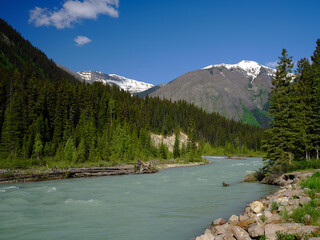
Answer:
(124, 83)
(250, 68)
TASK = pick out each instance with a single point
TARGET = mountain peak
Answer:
(124, 83)
(251, 68)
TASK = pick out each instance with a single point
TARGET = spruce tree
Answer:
(279, 145)
(176, 146)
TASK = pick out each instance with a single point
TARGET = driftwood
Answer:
(142, 167)
(7, 175)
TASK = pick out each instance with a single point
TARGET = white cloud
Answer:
(82, 40)
(73, 11)
(272, 64)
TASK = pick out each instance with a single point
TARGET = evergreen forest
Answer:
(48, 117)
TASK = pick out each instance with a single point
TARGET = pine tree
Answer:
(176, 146)
(279, 145)
(316, 99)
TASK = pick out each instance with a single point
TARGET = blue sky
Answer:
(156, 41)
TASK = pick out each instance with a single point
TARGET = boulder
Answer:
(239, 233)
(304, 200)
(274, 219)
(219, 229)
(233, 218)
(256, 230)
(245, 223)
(256, 206)
(267, 214)
(219, 221)
(271, 229)
(242, 218)
(282, 200)
(228, 236)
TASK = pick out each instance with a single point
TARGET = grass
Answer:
(248, 117)
(308, 214)
(274, 206)
(312, 182)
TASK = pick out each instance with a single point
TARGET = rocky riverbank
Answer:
(34, 175)
(262, 219)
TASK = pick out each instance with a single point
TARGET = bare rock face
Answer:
(256, 206)
(239, 233)
(274, 219)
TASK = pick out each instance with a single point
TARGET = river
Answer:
(172, 204)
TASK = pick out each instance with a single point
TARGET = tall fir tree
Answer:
(279, 145)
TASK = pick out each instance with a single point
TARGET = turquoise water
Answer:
(172, 204)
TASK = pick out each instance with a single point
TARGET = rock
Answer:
(208, 235)
(219, 229)
(245, 223)
(256, 230)
(219, 221)
(267, 214)
(228, 236)
(239, 233)
(304, 200)
(271, 229)
(307, 219)
(274, 219)
(233, 218)
(282, 200)
(256, 206)
(293, 202)
(242, 218)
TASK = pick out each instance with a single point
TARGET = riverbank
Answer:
(273, 215)
(35, 175)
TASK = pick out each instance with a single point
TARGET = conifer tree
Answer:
(279, 146)
(176, 146)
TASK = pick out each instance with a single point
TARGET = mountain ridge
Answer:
(124, 83)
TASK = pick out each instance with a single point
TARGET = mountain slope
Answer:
(18, 53)
(126, 84)
(237, 91)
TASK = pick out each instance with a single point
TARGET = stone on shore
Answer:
(219, 229)
(256, 230)
(256, 206)
(245, 223)
(208, 235)
(233, 219)
(274, 219)
(271, 229)
(219, 221)
(239, 233)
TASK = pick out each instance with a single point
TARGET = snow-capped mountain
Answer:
(250, 68)
(124, 83)
(237, 91)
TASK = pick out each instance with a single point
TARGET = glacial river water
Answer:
(172, 204)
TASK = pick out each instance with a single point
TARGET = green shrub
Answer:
(285, 236)
(274, 206)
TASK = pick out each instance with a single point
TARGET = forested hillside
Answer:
(294, 137)
(45, 115)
